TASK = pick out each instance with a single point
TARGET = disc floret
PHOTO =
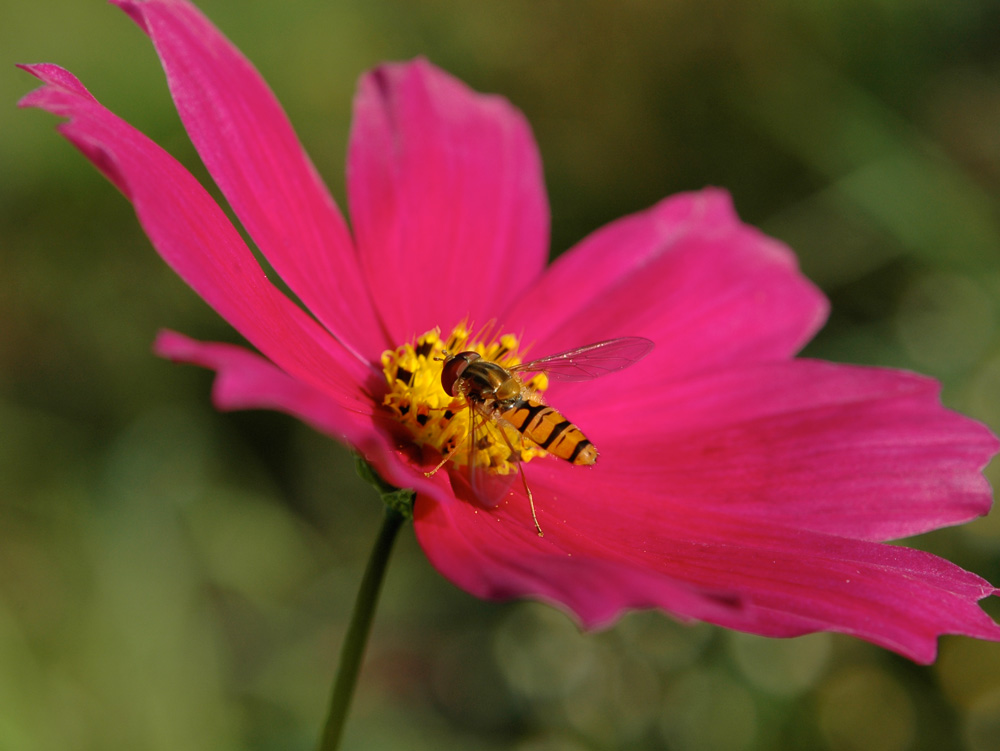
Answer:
(441, 421)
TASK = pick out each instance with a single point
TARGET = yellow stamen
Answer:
(437, 419)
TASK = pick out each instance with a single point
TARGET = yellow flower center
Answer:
(437, 419)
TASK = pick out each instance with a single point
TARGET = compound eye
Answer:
(453, 369)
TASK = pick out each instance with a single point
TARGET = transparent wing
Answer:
(480, 486)
(591, 361)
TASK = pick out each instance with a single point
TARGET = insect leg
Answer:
(527, 490)
(441, 463)
(471, 468)
(455, 448)
(471, 447)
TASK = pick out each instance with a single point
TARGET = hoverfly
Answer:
(497, 394)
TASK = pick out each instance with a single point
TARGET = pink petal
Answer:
(492, 554)
(860, 452)
(247, 381)
(759, 578)
(446, 196)
(249, 147)
(732, 498)
(194, 236)
(686, 273)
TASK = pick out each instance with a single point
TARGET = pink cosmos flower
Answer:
(736, 485)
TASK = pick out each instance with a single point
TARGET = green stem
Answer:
(353, 649)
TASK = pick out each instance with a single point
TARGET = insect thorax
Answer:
(491, 384)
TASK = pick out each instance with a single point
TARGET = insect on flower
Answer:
(739, 484)
(497, 394)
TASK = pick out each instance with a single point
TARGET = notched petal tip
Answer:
(54, 77)
(174, 346)
(63, 95)
(245, 380)
(247, 143)
(486, 199)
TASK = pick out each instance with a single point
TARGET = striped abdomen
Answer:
(550, 430)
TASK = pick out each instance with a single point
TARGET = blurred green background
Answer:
(173, 578)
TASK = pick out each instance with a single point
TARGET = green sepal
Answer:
(399, 500)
